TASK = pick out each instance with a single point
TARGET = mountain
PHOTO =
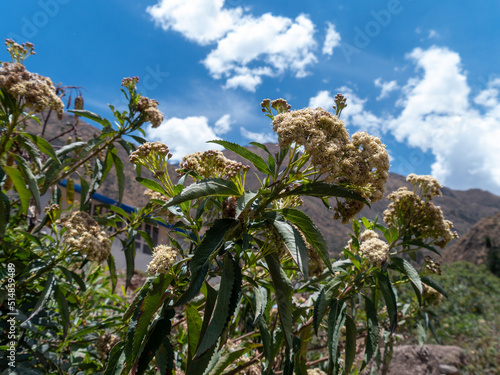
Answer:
(464, 208)
(474, 246)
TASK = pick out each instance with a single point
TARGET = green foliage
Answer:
(246, 282)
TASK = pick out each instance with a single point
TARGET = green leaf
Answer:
(231, 356)
(116, 360)
(391, 234)
(356, 228)
(261, 146)
(96, 180)
(336, 320)
(150, 300)
(92, 116)
(68, 148)
(150, 184)
(20, 185)
(30, 179)
(255, 159)
(327, 293)
(112, 271)
(227, 300)
(390, 298)
(265, 336)
(205, 188)
(294, 243)
(120, 176)
(63, 309)
(260, 302)
(407, 269)
(422, 244)
(245, 201)
(428, 281)
(198, 266)
(372, 332)
(367, 223)
(283, 290)
(44, 297)
(4, 212)
(350, 344)
(157, 340)
(43, 145)
(194, 324)
(322, 189)
(311, 232)
(31, 149)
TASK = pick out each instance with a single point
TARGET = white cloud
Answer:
(437, 115)
(354, 114)
(202, 21)
(332, 39)
(259, 137)
(223, 125)
(323, 99)
(184, 135)
(386, 87)
(247, 47)
(433, 34)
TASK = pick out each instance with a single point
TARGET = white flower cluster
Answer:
(85, 235)
(361, 163)
(372, 248)
(163, 259)
(315, 371)
(211, 163)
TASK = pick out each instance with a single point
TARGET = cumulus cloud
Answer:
(385, 87)
(186, 135)
(332, 39)
(223, 125)
(247, 47)
(259, 137)
(323, 99)
(437, 115)
(202, 21)
(354, 114)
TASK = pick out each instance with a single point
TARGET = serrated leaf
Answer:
(116, 360)
(210, 187)
(150, 184)
(325, 296)
(246, 200)
(31, 149)
(20, 185)
(151, 298)
(294, 243)
(322, 189)
(261, 146)
(356, 228)
(372, 332)
(92, 116)
(311, 232)
(63, 309)
(227, 299)
(68, 148)
(260, 302)
(198, 266)
(433, 284)
(336, 320)
(283, 290)
(43, 145)
(44, 297)
(390, 299)
(120, 176)
(350, 344)
(194, 324)
(4, 212)
(255, 159)
(29, 178)
(407, 269)
(391, 234)
(422, 244)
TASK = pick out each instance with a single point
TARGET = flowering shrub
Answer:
(247, 284)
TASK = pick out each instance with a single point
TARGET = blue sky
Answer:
(423, 75)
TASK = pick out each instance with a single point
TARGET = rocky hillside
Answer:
(464, 208)
(474, 246)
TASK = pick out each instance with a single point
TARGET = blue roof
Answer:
(108, 200)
